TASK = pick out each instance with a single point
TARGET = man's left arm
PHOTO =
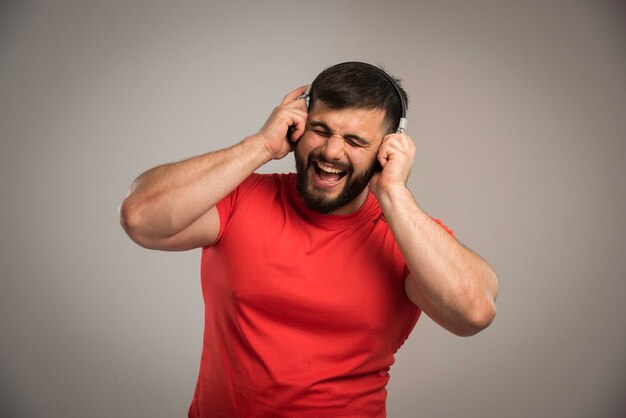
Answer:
(452, 284)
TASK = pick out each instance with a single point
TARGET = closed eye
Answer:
(320, 132)
(355, 142)
(321, 129)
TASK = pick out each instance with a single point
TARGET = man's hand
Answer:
(449, 282)
(395, 155)
(290, 113)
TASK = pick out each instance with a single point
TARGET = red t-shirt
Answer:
(303, 311)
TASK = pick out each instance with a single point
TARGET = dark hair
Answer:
(358, 85)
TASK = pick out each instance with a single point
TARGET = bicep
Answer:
(419, 300)
(200, 233)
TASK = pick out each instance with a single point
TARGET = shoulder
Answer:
(259, 187)
(257, 181)
(271, 179)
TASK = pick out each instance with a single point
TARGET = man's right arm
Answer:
(172, 206)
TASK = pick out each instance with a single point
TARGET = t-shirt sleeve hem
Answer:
(228, 204)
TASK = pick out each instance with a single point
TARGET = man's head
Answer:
(352, 107)
(357, 85)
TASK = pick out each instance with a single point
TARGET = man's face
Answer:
(336, 157)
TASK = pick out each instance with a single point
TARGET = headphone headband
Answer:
(402, 125)
(403, 122)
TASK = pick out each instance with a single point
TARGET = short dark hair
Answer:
(356, 85)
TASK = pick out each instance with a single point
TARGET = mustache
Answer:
(319, 157)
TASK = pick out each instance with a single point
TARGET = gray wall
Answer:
(518, 112)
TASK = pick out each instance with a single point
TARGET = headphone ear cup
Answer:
(306, 97)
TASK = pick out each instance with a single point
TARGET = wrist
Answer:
(392, 192)
(254, 146)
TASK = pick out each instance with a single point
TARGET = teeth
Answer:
(329, 168)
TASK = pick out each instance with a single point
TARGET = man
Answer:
(312, 281)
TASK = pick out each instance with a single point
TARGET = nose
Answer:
(333, 149)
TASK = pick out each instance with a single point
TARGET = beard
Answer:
(318, 200)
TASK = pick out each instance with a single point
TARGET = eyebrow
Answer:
(362, 141)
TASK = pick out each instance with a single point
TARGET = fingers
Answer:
(396, 146)
(285, 125)
(287, 121)
(397, 142)
(290, 97)
(296, 112)
(297, 130)
(298, 125)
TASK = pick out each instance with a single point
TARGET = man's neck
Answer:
(353, 205)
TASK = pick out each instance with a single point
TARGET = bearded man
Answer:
(311, 281)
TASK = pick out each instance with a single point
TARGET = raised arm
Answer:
(172, 206)
(453, 285)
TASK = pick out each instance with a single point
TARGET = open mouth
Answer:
(327, 173)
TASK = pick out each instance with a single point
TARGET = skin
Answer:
(345, 140)
(452, 284)
(172, 207)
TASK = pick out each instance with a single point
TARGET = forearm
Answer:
(166, 199)
(451, 283)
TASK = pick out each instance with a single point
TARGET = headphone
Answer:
(402, 125)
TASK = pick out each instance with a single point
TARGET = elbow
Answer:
(473, 322)
(482, 312)
(130, 219)
(478, 319)
(140, 227)
(128, 216)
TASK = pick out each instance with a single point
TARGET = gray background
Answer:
(518, 112)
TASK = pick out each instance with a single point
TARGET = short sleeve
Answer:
(228, 205)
